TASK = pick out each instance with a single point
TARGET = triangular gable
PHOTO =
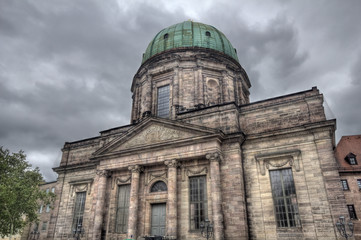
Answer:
(154, 131)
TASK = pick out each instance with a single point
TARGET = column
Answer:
(102, 176)
(133, 204)
(216, 194)
(172, 198)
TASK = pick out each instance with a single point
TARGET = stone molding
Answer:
(172, 163)
(276, 160)
(135, 169)
(214, 157)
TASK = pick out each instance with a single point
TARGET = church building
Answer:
(197, 149)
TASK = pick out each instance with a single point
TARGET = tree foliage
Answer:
(20, 195)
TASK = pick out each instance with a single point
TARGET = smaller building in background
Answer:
(40, 230)
(348, 155)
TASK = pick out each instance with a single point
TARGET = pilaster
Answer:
(215, 159)
(172, 198)
(133, 204)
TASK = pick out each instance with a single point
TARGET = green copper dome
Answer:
(189, 34)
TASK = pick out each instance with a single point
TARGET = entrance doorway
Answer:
(158, 219)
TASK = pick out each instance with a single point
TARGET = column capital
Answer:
(214, 157)
(172, 163)
(103, 173)
(135, 169)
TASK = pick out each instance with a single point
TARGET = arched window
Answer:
(159, 186)
(208, 34)
(165, 36)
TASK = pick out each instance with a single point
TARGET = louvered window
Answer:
(122, 215)
(163, 102)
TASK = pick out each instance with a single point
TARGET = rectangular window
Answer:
(344, 184)
(351, 211)
(47, 190)
(163, 102)
(41, 209)
(284, 198)
(198, 201)
(47, 208)
(359, 184)
(53, 190)
(122, 214)
(45, 224)
(36, 227)
(79, 210)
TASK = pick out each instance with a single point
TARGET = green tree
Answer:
(20, 195)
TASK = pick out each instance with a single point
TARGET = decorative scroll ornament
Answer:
(83, 185)
(103, 173)
(196, 172)
(151, 176)
(214, 157)
(172, 163)
(81, 188)
(136, 169)
(277, 160)
(121, 180)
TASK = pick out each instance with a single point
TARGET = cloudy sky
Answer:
(66, 66)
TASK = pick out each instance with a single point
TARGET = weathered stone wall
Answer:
(69, 183)
(320, 200)
(282, 112)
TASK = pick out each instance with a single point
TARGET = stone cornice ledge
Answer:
(309, 127)
(75, 167)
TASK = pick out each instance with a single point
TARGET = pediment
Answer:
(155, 132)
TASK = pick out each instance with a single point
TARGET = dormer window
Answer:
(351, 159)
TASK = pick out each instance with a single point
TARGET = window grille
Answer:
(79, 210)
(159, 186)
(351, 211)
(344, 185)
(284, 198)
(352, 161)
(163, 102)
(122, 215)
(198, 201)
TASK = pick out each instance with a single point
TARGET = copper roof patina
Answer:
(189, 34)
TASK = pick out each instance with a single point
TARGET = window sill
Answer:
(289, 229)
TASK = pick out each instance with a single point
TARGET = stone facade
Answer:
(351, 172)
(44, 228)
(214, 152)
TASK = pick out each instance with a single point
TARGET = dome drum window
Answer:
(159, 186)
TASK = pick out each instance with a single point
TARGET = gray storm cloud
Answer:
(66, 66)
